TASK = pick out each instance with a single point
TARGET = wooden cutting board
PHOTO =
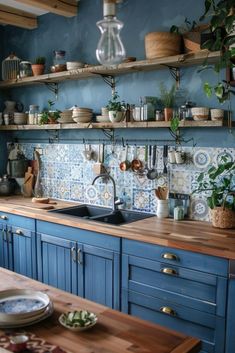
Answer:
(28, 183)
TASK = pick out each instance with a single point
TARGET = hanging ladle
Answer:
(125, 165)
(152, 172)
(136, 163)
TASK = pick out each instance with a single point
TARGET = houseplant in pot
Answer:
(39, 66)
(219, 182)
(167, 98)
(49, 116)
(222, 19)
(116, 109)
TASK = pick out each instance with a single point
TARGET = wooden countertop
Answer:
(195, 236)
(114, 332)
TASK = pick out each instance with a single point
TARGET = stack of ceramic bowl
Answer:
(22, 307)
(74, 65)
(82, 115)
(66, 117)
(104, 118)
(20, 118)
(200, 113)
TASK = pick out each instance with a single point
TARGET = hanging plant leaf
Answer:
(208, 89)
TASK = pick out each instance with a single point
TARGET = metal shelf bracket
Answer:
(53, 87)
(110, 81)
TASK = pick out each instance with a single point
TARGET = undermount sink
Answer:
(102, 214)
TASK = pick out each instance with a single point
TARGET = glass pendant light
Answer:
(110, 50)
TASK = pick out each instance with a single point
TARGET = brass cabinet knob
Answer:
(170, 256)
(169, 271)
(168, 311)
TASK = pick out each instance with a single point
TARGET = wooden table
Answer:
(115, 332)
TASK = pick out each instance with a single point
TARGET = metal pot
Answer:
(18, 167)
(7, 186)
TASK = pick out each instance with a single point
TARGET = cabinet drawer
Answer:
(191, 260)
(187, 287)
(208, 328)
(18, 221)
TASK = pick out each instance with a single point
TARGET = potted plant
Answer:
(220, 183)
(48, 116)
(222, 20)
(116, 109)
(39, 66)
(167, 98)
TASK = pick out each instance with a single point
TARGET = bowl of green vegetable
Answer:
(78, 320)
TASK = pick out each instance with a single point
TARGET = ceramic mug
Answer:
(179, 157)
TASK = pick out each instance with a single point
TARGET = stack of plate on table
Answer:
(82, 115)
(66, 117)
(22, 307)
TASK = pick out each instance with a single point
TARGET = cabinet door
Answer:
(101, 273)
(6, 255)
(57, 262)
(24, 251)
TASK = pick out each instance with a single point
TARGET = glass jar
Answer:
(33, 114)
(25, 69)
(59, 61)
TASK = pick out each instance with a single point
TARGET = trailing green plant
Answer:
(115, 104)
(175, 122)
(222, 19)
(167, 97)
(48, 115)
(220, 181)
(40, 60)
(187, 26)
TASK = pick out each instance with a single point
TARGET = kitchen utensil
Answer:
(136, 163)
(143, 171)
(125, 165)
(7, 186)
(38, 186)
(165, 154)
(162, 192)
(88, 152)
(98, 167)
(152, 172)
(28, 183)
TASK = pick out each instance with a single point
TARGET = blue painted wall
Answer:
(79, 36)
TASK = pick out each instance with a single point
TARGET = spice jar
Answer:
(59, 61)
(25, 69)
(33, 114)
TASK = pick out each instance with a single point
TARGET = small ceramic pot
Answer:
(162, 209)
(168, 114)
(116, 117)
(217, 114)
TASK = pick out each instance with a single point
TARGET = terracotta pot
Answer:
(168, 114)
(222, 217)
(160, 44)
(192, 42)
(38, 69)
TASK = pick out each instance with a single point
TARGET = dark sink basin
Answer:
(122, 217)
(84, 211)
(102, 214)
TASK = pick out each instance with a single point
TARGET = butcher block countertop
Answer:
(195, 236)
(114, 332)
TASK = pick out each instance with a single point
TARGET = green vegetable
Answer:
(80, 318)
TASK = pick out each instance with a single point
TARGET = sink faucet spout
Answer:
(116, 202)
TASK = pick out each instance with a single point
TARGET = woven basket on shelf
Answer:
(160, 44)
(222, 217)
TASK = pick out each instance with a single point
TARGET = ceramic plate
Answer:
(26, 322)
(15, 303)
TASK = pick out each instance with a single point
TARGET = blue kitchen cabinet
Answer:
(17, 244)
(79, 261)
(178, 289)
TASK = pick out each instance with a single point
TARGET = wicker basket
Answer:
(160, 44)
(222, 217)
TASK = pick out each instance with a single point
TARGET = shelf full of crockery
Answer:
(121, 125)
(182, 60)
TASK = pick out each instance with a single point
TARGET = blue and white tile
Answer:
(77, 191)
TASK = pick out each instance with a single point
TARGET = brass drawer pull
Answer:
(73, 254)
(168, 311)
(19, 232)
(169, 271)
(169, 256)
(4, 217)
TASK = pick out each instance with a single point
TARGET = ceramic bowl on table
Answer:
(200, 113)
(78, 320)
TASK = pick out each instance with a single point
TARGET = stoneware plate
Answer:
(21, 303)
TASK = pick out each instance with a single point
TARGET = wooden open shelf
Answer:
(121, 125)
(177, 61)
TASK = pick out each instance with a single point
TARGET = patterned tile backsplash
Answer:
(67, 175)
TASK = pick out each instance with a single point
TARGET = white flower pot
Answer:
(115, 116)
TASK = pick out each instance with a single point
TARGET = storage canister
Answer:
(33, 114)
(160, 44)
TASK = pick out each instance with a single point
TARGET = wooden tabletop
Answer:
(114, 332)
(195, 236)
